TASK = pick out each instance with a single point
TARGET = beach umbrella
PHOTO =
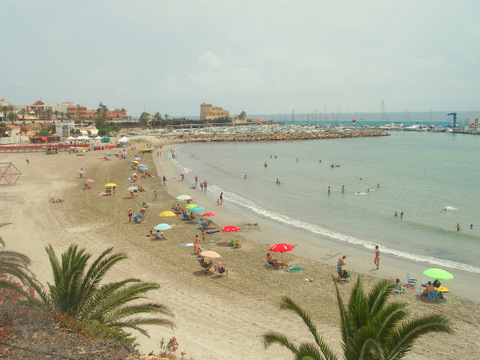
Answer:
(281, 248)
(210, 254)
(438, 274)
(162, 226)
(167, 213)
(209, 214)
(132, 188)
(190, 206)
(184, 197)
(197, 208)
(135, 161)
(110, 185)
(90, 180)
(142, 165)
(143, 168)
(230, 228)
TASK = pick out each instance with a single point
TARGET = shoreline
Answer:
(325, 250)
(216, 317)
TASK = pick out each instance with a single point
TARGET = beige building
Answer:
(208, 111)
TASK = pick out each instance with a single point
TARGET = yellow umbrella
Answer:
(110, 184)
(190, 206)
(135, 161)
(167, 213)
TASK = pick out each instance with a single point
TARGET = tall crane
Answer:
(454, 119)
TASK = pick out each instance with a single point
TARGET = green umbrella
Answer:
(438, 274)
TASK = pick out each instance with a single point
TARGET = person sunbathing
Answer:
(221, 269)
(429, 289)
(271, 261)
(205, 265)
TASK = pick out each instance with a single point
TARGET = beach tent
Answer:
(124, 140)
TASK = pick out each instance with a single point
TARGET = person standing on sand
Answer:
(196, 179)
(130, 214)
(164, 180)
(221, 198)
(376, 261)
(341, 262)
(155, 195)
(204, 236)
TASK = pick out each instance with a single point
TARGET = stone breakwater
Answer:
(283, 136)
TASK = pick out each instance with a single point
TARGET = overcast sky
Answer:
(262, 57)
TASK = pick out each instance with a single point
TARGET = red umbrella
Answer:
(230, 228)
(209, 214)
(281, 248)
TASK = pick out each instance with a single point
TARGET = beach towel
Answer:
(186, 245)
(295, 269)
(213, 231)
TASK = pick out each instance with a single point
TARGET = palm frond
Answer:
(287, 303)
(402, 340)
(277, 338)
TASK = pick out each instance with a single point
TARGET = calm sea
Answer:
(418, 173)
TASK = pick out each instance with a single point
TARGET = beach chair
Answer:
(410, 281)
(398, 289)
(205, 267)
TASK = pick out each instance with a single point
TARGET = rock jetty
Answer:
(283, 136)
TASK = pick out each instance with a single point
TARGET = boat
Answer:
(147, 150)
(416, 127)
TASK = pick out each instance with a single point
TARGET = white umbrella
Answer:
(184, 197)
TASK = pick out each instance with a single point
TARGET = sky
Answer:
(261, 56)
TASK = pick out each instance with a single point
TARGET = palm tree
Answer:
(23, 112)
(76, 292)
(371, 329)
(14, 266)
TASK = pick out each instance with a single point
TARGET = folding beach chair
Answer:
(410, 281)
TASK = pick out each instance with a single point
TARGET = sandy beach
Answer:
(216, 317)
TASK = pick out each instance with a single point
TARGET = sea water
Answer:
(430, 177)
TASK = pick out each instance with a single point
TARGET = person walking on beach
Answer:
(164, 181)
(28, 161)
(343, 189)
(196, 179)
(205, 186)
(376, 261)
(341, 262)
(130, 214)
(221, 198)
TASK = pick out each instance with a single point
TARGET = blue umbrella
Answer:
(132, 188)
(162, 226)
(197, 208)
(144, 168)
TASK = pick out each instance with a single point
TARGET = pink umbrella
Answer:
(209, 214)
(230, 228)
(141, 165)
(210, 254)
(89, 180)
